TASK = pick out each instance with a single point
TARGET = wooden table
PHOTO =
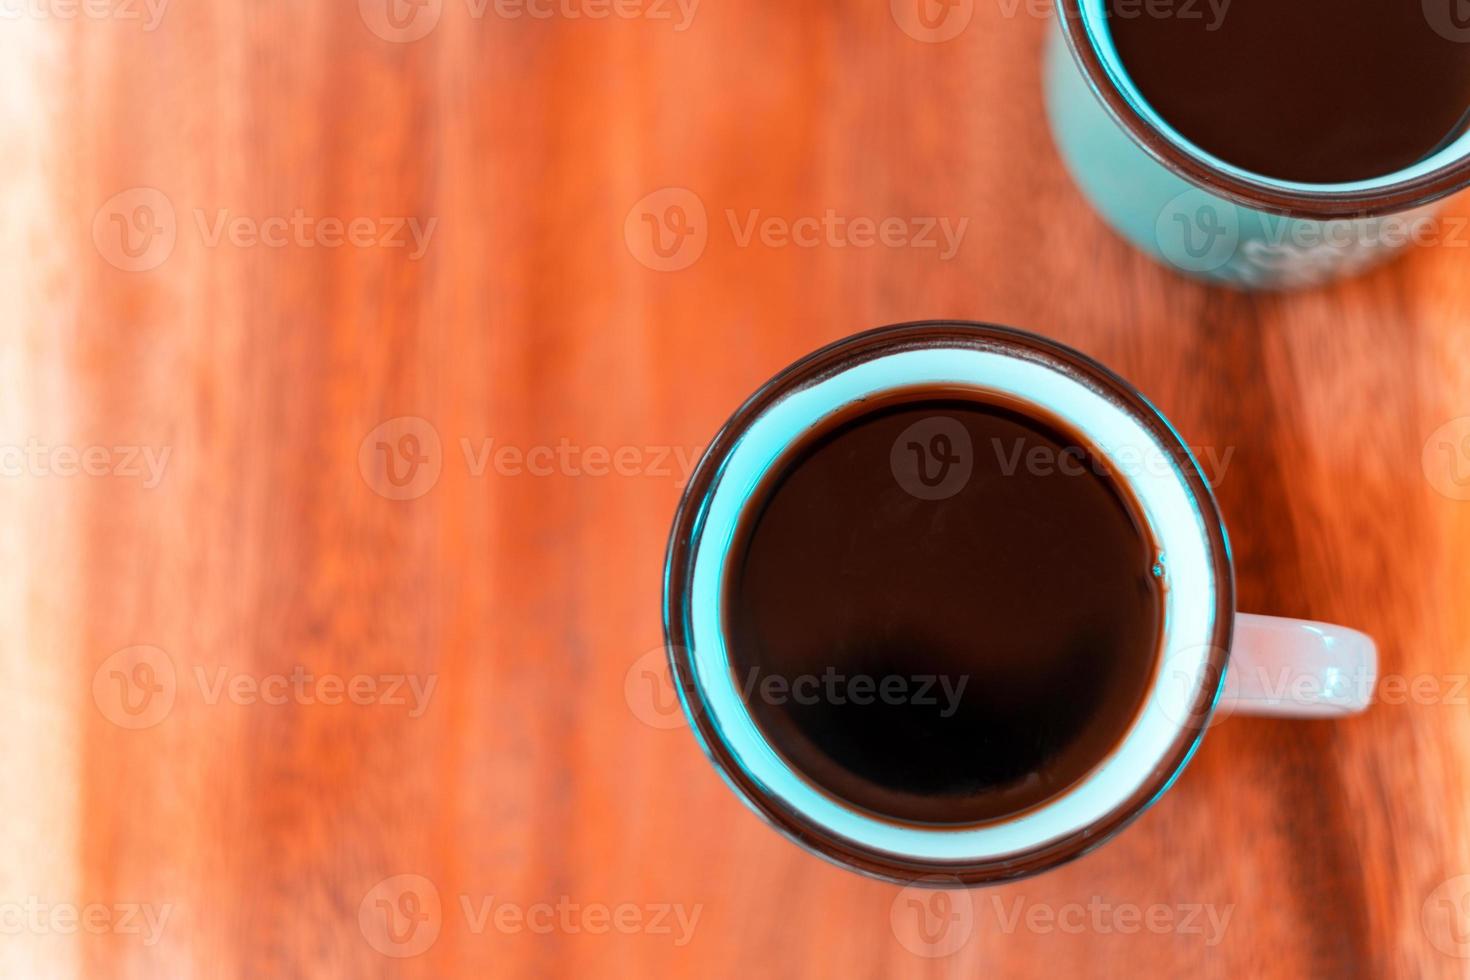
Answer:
(540, 791)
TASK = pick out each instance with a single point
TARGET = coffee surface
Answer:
(942, 610)
(1316, 91)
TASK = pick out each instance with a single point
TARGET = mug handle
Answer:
(1296, 668)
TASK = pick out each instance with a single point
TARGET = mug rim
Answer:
(683, 548)
(1256, 191)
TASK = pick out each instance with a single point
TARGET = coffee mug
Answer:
(1204, 217)
(1282, 667)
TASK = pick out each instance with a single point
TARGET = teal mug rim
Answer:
(678, 571)
(1365, 199)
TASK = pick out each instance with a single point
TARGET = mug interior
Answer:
(1086, 24)
(1146, 454)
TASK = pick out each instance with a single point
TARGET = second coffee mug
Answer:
(1206, 217)
(953, 602)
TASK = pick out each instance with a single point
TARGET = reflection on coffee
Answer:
(943, 608)
(1318, 91)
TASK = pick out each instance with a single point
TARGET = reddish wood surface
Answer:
(530, 777)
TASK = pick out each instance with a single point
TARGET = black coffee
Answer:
(1320, 91)
(943, 609)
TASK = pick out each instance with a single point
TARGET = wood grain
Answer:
(533, 775)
